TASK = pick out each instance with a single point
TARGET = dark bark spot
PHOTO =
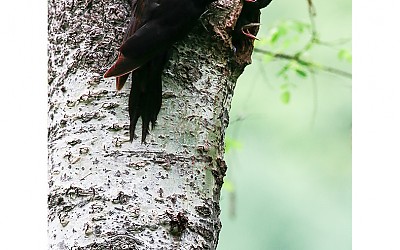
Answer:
(203, 211)
(178, 223)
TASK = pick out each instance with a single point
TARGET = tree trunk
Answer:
(108, 193)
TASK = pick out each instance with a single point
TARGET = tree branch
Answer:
(305, 63)
(313, 40)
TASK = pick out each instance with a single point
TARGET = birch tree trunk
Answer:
(108, 193)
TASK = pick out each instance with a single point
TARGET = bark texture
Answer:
(108, 193)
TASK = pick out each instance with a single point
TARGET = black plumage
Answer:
(146, 94)
(154, 27)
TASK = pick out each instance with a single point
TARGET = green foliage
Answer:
(285, 97)
(300, 37)
(345, 55)
(280, 151)
(285, 33)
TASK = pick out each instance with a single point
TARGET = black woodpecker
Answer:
(154, 27)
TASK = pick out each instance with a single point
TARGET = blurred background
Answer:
(288, 185)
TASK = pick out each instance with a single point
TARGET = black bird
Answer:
(154, 27)
(247, 24)
(146, 94)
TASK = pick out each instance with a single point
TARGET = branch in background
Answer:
(305, 63)
(285, 28)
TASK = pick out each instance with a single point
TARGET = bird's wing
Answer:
(161, 24)
(142, 11)
(138, 18)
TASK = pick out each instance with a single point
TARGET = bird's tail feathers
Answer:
(145, 102)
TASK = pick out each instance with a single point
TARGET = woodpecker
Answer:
(154, 27)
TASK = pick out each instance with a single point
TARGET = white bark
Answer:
(108, 193)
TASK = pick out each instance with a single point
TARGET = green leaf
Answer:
(283, 71)
(274, 36)
(345, 55)
(277, 32)
(285, 97)
(301, 73)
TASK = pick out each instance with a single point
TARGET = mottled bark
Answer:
(108, 193)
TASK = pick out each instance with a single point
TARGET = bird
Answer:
(154, 27)
(248, 23)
